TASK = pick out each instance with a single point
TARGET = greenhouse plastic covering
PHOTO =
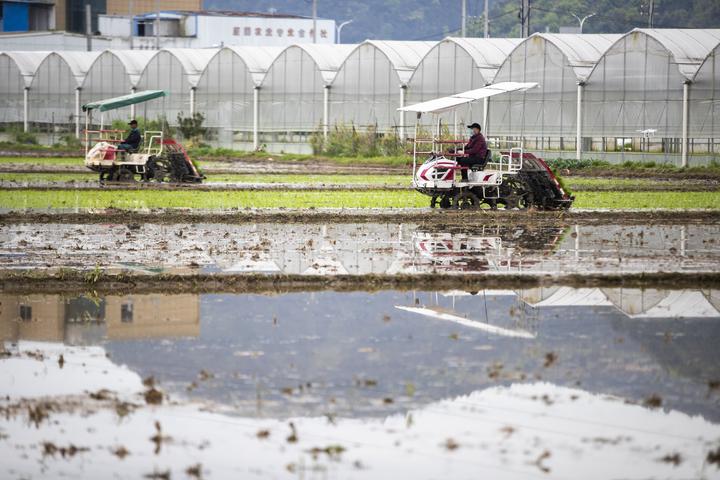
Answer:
(625, 94)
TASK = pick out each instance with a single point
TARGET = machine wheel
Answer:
(161, 172)
(441, 201)
(491, 203)
(516, 194)
(108, 175)
(125, 175)
(466, 200)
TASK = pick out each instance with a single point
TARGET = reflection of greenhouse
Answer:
(633, 302)
(649, 93)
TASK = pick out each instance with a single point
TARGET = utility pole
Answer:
(651, 12)
(130, 12)
(157, 25)
(525, 18)
(487, 20)
(314, 15)
(463, 17)
(88, 26)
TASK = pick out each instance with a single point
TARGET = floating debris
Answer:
(653, 401)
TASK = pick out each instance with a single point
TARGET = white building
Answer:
(214, 29)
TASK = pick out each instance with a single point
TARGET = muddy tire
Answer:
(466, 200)
(125, 175)
(108, 175)
(515, 194)
(441, 201)
(161, 170)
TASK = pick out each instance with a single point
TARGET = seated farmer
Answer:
(476, 150)
(132, 142)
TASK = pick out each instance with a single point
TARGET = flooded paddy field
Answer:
(358, 343)
(549, 382)
(555, 248)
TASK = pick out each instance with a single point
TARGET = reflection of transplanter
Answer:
(514, 179)
(488, 249)
(156, 158)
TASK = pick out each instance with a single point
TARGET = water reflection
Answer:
(358, 354)
(88, 320)
(364, 248)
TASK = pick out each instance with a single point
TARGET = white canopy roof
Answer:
(443, 104)
(451, 317)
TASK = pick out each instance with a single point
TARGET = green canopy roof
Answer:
(124, 101)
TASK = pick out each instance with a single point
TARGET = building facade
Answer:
(206, 29)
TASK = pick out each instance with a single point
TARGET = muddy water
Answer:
(351, 248)
(370, 355)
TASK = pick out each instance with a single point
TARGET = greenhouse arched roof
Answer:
(404, 56)
(193, 60)
(328, 58)
(78, 62)
(582, 51)
(715, 52)
(689, 47)
(257, 59)
(134, 61)
(27, 63)
(487, 53)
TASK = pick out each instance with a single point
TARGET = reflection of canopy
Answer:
(123, 101)
(440, 315)
(444, 104)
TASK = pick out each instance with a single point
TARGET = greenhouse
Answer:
(17, 70)
(651, 94)
(54, 92)
(370, 86)
(112, 74)
(544, 117)
(228, 93)
(456, 65)
(705, 105)
(293, 94)
(633, 100)
(177, 71)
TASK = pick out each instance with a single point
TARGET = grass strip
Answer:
(137, 199)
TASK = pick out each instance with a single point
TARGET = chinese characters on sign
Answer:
(268, 32)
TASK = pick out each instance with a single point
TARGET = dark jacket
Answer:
(476, 147)
(133, 139)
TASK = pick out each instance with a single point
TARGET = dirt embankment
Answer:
(84, 183)
(71, 282)
(418, 216)
(235, 168)
(643, 173)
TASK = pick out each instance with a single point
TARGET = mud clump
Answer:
(332, 451)
(653, 401)
(50, 449)
(153, 396)
(672, 458)
(713, 457)
(550, 359)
